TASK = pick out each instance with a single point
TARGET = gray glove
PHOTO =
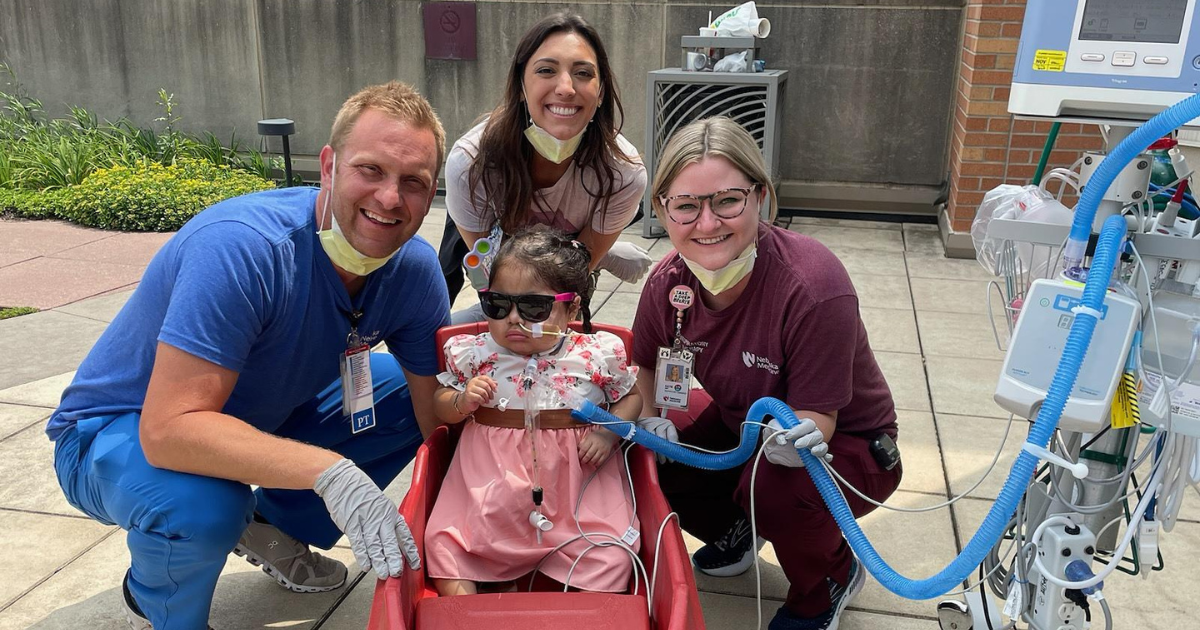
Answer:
(663, 428)
(782, 444)
(626, 261)
(377, 532)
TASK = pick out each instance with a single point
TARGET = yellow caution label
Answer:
(1050, 60)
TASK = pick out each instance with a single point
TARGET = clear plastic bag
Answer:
(732, 63)
(1022, 203)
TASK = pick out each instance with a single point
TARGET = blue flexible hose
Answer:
(1006, 503)
(1078, 339)
(589, 412)
(1169, 120)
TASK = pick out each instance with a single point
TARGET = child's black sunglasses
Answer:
(532, 307)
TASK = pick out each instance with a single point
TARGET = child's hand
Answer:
(479, 390)
(595, 446)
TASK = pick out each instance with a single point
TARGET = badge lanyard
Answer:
(673, 370)
(358, 392)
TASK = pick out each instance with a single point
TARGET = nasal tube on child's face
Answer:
(540, 330)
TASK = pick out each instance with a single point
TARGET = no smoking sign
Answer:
(449, 30)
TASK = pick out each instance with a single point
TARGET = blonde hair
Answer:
(702, 138)
(396, 99)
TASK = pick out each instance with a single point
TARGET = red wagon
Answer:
(411, 603)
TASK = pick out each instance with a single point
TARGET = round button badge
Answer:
(682, 297)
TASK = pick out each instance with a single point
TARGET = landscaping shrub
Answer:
(114, 175)
(152, 197)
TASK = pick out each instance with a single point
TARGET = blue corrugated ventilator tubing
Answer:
(1080, 335)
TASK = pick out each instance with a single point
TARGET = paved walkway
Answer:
(926, 320)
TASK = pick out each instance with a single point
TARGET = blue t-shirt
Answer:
(246, 285)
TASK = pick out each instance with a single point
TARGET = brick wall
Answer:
(980, 145)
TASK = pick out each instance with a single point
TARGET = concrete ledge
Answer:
(958, 244)
(859, 197)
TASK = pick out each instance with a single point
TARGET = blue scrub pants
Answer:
(182, 526)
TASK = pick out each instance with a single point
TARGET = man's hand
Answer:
(378, 534)
(626, 261)
(782, 444)
(664, 429)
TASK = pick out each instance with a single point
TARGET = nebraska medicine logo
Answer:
(764, 363)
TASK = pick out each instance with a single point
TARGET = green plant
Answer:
(153, 197)
(41, 152)
(7, 312)
(31, 204)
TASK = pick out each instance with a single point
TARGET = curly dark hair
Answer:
(503, 166)
(556, 260)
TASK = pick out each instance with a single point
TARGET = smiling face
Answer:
(710, 241)
(562, 85)
(518, 279)
(386, 179)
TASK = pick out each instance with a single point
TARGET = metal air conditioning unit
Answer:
(676, 98)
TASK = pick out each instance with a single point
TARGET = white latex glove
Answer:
(782, 444)
(626, 261)
(663, 428)
(378, 534)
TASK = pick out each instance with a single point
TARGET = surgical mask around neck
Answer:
(549, 147)
(719, 281)
(334, 242)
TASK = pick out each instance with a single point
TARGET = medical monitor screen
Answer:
(1155, 21)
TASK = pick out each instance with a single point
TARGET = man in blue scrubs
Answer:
(225, 370)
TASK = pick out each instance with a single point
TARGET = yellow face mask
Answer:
(719, 281)
(339, 250)
(550, 147)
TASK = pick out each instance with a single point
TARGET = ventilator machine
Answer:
(1098, 310)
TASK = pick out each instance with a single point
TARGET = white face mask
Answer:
(719, 281)
(334, 242)
(548, 146)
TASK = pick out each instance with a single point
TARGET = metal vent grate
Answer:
(676, 98)
(678, 104)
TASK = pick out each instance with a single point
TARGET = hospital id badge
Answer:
(358, 395)
(672, 378)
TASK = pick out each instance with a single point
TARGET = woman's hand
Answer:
(595, 446)
(479, 390)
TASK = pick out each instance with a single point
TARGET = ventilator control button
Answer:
(1157, 61)
(1126, 59)
(1092, 57)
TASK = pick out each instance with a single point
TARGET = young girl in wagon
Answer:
(487, 525)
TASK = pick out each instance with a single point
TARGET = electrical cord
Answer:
(939, 506)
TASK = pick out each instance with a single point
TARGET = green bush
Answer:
(150, 196)
(31, 204)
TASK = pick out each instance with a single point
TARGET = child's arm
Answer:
(452, 406)
(629, 407)
(595, 446)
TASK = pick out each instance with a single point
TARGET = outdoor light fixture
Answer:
(282, 127)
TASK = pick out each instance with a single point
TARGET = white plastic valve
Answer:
(539, 521)
(1079, 470)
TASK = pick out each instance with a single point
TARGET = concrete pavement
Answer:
(924, 314)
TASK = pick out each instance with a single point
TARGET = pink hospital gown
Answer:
(479, 529)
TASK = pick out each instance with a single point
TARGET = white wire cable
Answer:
(939, 506)
(658, 548)
(754, 530)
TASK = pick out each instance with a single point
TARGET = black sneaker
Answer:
(730, 555)
(133, 613)
(838, 594)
